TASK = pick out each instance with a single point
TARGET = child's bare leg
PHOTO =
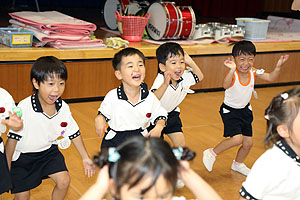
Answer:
(228, 143)
(177, 139)
(62, 181)
(244, 149)
(22, 195)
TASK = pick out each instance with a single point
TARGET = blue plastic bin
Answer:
(12, 37)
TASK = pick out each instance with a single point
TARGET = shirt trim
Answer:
(75, 135)
(122, 95)
(14, 136)
(37, 107)
(240, 79)
(243, 192)
(281, 144)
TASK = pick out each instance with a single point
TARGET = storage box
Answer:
(14, 38)
(255, 29)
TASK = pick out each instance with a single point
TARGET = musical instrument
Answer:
(187, 22)
(110, 7)
(236, 30)
(203, 31)
(164, 21)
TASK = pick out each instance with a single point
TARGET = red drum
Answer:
(164, 21)
(188, 22)
(110, 7)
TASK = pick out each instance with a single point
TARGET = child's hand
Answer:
(89, 167)
(187, 59)
(14, 122)
(282, 60)
(100, 125)
(153, 133)
(167, 76)
(230, 64)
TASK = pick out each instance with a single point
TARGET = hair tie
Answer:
(284, 96)
(113, 155)
(267, 117)
(178, 152)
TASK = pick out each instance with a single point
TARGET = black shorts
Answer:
(120, 137)
(173, 124)
(30, 169)
(236, 121)
(5, 180)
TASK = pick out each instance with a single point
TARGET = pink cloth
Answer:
(77, 44)
(52, 20)
(52, 38)
(73, 32)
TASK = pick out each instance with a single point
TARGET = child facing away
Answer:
(146, 168)
(131, 108)
(177, 73)
(236, 111)
(14, 121)
(48, 124)
(276, 173)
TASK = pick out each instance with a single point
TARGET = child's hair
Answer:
(243, 47)
(47, 66)
(283, 109)
(168, 50)
(116, 62)
(140, 157)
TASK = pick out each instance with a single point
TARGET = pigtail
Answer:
(183, 153)
(102, 158)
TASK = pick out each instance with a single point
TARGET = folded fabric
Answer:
(77, 44)
(52, 20)
(73, 32)
(52, 38)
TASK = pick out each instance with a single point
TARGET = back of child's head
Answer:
(129, 51)
(168, 50)
(141, 157)
(243, 47)
(47, 67)
(282, 110)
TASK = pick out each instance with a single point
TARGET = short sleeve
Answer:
(261, 179)
(106, 106)
(190, 78)
(158, 111)
(159, 80)
(72, 130)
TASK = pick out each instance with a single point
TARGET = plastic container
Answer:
(132, 27)
(12, 37)
(255, 29)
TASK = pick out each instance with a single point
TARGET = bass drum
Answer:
(164, 21)
(110, 7)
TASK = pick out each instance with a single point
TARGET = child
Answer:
(46, 119)
(130, 108)
(146, 168)
(236, 111)
(276, 173)
(10, 118)
(172, 85)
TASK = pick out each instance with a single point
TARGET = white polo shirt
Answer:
(174, 96)
(40, 131)
(122, 115)
(274, 176)
(6, 104)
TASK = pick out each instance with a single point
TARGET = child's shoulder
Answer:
(4, 94)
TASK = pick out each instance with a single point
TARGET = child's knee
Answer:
(63, 181)
(237, 140)
(22, 196)
(247, 144)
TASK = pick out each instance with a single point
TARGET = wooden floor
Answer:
(202, 127)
